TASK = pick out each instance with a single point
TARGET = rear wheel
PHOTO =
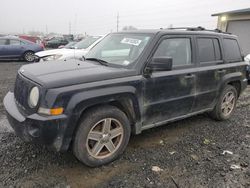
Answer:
(226, 104)
(29, 56)
(102, 136)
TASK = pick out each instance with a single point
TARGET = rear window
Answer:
(232, 50)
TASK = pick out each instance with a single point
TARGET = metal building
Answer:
(238, 23)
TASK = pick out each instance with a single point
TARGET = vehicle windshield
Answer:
(70, 45)
(119, 49)
(85, 43)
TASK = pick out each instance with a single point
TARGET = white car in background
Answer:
(247, 59)
(77, 51)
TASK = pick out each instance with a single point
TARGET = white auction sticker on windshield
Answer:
(135, 42)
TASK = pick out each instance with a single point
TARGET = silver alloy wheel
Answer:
(105, 138)
(228, 103)
(29, 56)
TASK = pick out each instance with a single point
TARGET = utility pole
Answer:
(75, 29)
(117, 22)
(69, 27)
(46, 29)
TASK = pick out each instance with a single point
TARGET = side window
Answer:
(232, 50)
(14, 42)
(217, 50)
(177, 48)
(3, 41)
(206, 49)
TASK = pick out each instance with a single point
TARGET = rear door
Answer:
(15, 49)
(209, 55)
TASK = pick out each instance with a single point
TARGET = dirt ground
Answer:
(195, 152)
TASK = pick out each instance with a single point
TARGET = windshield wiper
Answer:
(102, 62)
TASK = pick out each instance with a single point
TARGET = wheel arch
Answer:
(233, 79)
(125, 102)
(124, 99)
(26, 51)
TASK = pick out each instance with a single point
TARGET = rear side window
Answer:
(232, 50)
(217, 50)
(209, 50)
(206, 49)
(14, 42)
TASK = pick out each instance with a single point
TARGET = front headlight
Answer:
(34, 97)
(52, 57)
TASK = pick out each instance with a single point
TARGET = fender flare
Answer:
(231, 77)
(87, 99)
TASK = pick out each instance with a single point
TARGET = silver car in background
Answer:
(77, 51)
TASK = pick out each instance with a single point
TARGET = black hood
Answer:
(65, 73)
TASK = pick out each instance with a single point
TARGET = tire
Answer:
(94, 142)
(224, 108)
(29, 56)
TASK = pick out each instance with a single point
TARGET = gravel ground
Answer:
(187, 153)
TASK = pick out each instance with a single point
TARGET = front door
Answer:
(170, 94)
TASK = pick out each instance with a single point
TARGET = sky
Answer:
(96, 17)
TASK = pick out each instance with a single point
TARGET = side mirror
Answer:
(161, 64)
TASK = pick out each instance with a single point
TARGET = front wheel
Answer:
(29, 56)
(226, 104)
(102, 136)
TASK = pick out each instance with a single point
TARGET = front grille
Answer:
(21, 93)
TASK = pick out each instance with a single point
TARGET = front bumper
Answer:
(46, 130)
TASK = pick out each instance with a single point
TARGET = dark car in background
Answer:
(16, 48)
(56, 42)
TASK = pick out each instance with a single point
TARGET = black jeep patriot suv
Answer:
(129, 82)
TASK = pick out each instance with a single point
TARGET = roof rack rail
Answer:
(199, 28)
(189, 28)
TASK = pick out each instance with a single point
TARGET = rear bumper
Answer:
(48, 130)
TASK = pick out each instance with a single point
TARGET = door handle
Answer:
(188, 76)
(221, 71)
